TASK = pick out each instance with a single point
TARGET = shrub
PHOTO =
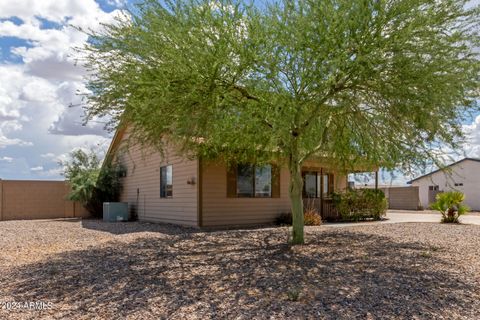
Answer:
(91, 185)
(311, 217)
(284, 219)
(361, 204)
(107, 189)
(293, 294)
(449, 204)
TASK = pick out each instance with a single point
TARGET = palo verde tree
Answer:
(378, 82)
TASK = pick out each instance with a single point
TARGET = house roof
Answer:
(450, 165)
(117, 138)
(122, 128)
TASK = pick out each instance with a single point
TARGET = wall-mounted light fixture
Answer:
(191, 180)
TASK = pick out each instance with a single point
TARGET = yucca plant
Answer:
(450, 205)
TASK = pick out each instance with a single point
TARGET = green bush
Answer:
(107, 189)
(90, 183)
(449, 204)
(360, 204)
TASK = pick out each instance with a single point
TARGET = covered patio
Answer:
(319, 184)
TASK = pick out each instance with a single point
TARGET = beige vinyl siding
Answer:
(143, 173)
(218, 210)
(340, 182)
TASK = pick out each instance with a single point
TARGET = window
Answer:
(254, 181)
(459, 184)
(245, 181)
(263, 181)
(433, 188)
(325, 185)
(312, 184)
(166, 182)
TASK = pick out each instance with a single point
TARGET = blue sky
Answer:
(39, 80)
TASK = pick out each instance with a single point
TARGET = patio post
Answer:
(321, 192)
(376, 180)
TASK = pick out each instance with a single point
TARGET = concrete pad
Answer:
(406, 216)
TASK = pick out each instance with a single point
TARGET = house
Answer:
(463, 176)
(177, 189)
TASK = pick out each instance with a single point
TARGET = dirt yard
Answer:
(90, 269)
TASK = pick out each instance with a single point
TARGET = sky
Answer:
(40, 117)
(40, 120)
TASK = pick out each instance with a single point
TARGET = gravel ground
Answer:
(91, 269)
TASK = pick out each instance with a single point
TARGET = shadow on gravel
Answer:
(164, 228)
(339, 275)
(134, 227)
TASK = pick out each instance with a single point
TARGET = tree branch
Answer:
(322, 142)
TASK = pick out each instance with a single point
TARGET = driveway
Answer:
(408, 216)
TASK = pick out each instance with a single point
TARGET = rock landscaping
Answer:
(91, 269)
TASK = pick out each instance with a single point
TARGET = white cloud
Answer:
(472, 132)
(48, 155)
(5, 142)
(57, 10)
(39, 168)
(117, 3)
(37, 126)
(6, 159)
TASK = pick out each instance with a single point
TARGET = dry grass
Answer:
(92, 269)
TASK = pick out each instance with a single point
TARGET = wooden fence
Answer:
(32, 199)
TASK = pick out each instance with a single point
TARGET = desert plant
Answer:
(293, 294)
(450, 205)
(361, 204)
(311, 217)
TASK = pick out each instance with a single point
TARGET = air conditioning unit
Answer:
(115, 211)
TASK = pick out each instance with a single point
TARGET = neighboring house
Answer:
(463, 176)
(399, 197)
(194, 192)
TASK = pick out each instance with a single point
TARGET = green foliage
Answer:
(450, 205)
(90, 184)
(293, 294)
(361, 82)
(82, 172)
(361, 204)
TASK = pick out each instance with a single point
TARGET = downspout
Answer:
(200, 192)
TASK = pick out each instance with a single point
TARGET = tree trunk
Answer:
(296, 186)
